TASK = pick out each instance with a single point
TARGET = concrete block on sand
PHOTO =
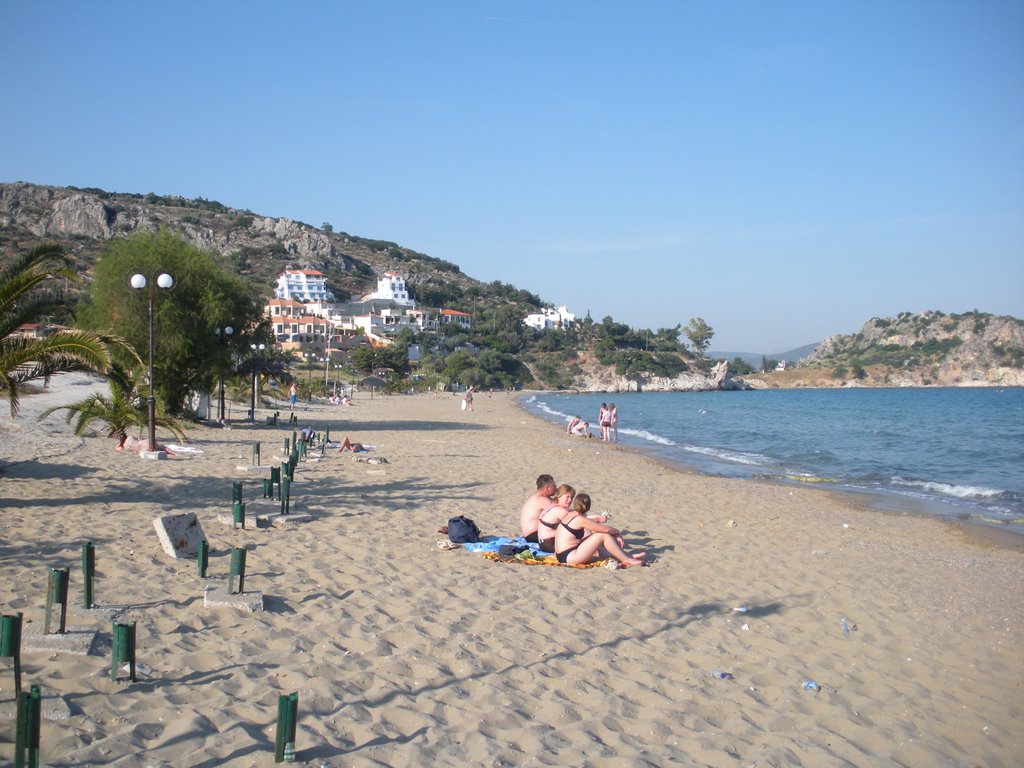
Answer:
(179, 534)
(291, 517)
(254, 469)
(217, 596)
(51, 707)
(74, 641)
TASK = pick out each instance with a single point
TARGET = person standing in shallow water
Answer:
(604, 422)
(613, 417)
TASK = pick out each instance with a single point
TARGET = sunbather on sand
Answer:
(128, 443)
(579, 539)
(348, 445)
(548, 522)
(534, 505)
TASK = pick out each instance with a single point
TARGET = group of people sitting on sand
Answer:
(555, 517)
(578, 428)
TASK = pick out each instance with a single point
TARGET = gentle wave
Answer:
(650, 437)
(945, 489)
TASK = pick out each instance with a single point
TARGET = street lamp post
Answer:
(165, 282)
(256, 348)
(310, 361)
(224, 335)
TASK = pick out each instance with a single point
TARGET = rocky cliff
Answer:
(255, 246)
(916, 350)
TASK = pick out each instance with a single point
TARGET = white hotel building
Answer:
(303, 285)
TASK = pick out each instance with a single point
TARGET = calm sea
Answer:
(957, 453)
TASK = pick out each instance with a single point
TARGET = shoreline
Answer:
(875, 499)
(403, 653)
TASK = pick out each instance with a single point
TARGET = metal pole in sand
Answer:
(10, 644)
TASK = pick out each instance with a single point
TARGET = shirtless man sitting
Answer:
(535, 505)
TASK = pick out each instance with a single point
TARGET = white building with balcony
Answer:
(302, 285)
(391, 287)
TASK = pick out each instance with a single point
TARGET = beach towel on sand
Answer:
(489, 545)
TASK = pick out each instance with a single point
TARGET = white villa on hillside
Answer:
(303, 285)
(391, 287)
(550, 318)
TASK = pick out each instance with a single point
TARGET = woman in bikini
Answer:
(604, 421)
(580, 539)
(548, 521)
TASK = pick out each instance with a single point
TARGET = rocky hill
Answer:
(254, 246)
(927, 349)
(915, 350)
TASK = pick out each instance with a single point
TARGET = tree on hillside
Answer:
(700, 334)
(24, 359)
(204, 297)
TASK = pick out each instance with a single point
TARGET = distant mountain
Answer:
(753, 359)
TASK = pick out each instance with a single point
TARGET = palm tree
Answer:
(121, 411)
(24, 359)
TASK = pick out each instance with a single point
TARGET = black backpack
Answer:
(461, 530)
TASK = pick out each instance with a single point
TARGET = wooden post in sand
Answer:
(88, 574)
(10, 644)
(237, 569)
(203, 557)
(286, 494)
(275, 478)
(122, 649)
(57, 592)
(238, 514)
(287, 717)
(26, 735)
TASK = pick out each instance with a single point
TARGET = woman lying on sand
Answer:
(348, 445)
(580, 539)
(128, 443)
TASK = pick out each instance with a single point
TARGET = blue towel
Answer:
(491, 544)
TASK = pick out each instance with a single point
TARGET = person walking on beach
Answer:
(467, 399)
(613, 414)
(293, 395)
(535, 504)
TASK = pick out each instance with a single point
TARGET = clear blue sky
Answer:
(785, 170)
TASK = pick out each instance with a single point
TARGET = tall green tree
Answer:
(700, 334)
(24, 359)
(205, 296)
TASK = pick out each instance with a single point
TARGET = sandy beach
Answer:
(406, 654)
